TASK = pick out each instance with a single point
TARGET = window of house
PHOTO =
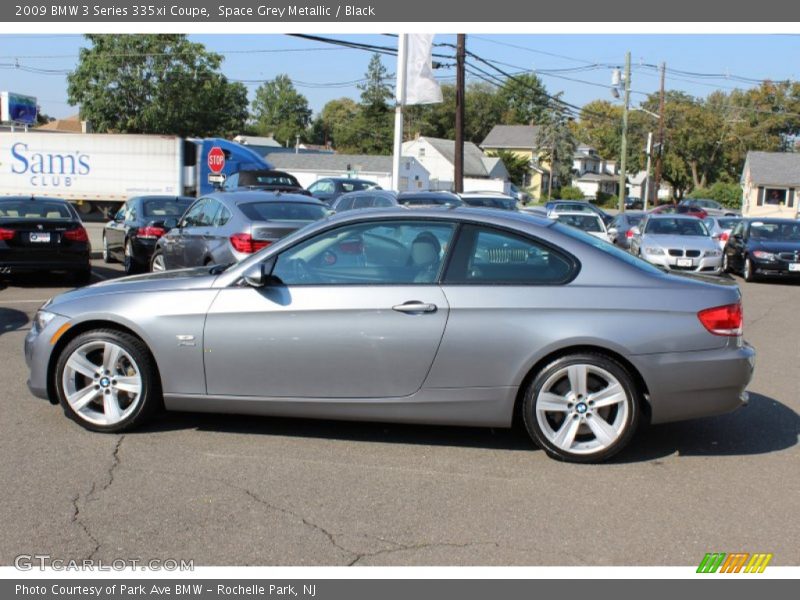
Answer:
(775, 196)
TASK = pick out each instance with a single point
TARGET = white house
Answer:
(481, 172)
(308, 167)
(771, 185)
(593, 173)
(637, 185)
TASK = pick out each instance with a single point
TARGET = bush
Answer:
(727, 194)
(571, 193)
(607, 200)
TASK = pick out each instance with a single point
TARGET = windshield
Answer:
(588, 223)
(775, 232)
(686, 227)
(283, 211)
(165, 207)
(611, 249)
(357, 186)
(34, 209)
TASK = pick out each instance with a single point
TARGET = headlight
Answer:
(41, 319)
(655, 251)
(761, 255)
(712, 253)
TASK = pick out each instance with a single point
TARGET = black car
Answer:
(43, 234)
(763, 247)
(131, 237)
(268, 180)
(633, 203)
(330, 188)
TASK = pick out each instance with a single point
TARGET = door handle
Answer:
(415, 307)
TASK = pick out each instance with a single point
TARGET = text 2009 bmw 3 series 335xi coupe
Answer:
(449, 316)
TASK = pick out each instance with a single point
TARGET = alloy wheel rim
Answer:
(746, 268)
(102, 383)
(105, 248)
(128, 257)
(582, 409)
(158, 263)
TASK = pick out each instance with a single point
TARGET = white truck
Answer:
(99, 171)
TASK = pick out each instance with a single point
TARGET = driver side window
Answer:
(193, 215)
(387, 253)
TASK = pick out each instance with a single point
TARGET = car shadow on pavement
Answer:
(354, 431)
(11, 319)
(763, 426)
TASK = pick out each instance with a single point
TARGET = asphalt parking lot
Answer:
(229, 490)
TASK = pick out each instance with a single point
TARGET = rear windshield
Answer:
(582, 222)
(676, 227)
(356, 186)
(278, 179)
(283, 211)
(634, 220)
(165, 207)
(34, 209)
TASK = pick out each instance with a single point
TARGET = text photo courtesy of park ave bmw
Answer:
(294, 302)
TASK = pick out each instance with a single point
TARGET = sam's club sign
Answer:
(16, 108)
(48, 169)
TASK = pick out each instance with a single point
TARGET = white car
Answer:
(720, 228)
(677, 243)
(589, 222)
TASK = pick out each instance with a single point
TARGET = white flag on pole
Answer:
(421, 86)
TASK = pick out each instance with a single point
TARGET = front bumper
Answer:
(704, 264)
(688, 385)
(775, 267)
(38, 351)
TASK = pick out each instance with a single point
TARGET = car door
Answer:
(734, 248)
(115, 232)
(200, 239)
(173, 243)
(359, 315)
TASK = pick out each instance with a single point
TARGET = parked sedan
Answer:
(496, 200)
(720, 228)
(456, 317)
(557, 206)
(710, 207)
(373, 198)
(677, 243)
(131, 237)
(588, 222)
(621, 229)
(330, 188)
(759, 247)
(226, 227)
(679, 209)
(264, 179)
(42, 234)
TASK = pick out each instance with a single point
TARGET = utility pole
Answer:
(660, 138)
(400, 99)
(646, 194)
(458, 162)
(623, 174)
(552, 168)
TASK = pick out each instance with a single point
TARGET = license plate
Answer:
(40, 238)
(794, 266)
(684, 262)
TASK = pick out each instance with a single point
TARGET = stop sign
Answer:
(216, 159)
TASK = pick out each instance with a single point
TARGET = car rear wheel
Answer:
(582, 408)
(726, 268)
(107, 381)
(130, 265)
(107, 258)
(157, 263)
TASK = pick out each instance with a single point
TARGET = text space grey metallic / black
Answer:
(445, 316)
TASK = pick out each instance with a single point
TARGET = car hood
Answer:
(772, 246)
(678, 241)
(183, 279)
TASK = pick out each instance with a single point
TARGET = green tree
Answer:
(569, 192)
(727, 194)
(524, 100)
(557, 143)
(155, 84)
(280, 110)
(517, 166)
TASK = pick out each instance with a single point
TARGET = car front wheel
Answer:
(157, 262)
(107, 381)
(582, 408)
(748, 272)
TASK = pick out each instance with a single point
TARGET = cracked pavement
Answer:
(232, 490)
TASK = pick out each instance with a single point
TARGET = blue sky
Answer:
(322, 72)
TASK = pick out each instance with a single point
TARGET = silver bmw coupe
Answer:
(449, 316)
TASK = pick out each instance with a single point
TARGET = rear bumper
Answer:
(143, 249)
(688, 385)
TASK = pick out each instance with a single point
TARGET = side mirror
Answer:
(260, 275)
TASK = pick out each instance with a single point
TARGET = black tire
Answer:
(130, 265)
(83, 277)
(748, 272)
(107, 258)
(629, 419)
(157, 255)
(150, 401)
(726, 267)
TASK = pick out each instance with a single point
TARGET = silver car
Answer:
(449, 316)
(226, 227)
(677, 243)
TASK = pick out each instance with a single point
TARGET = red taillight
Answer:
(150, 233)
(723, 320)
(723, 237)
(76, 235)
(6, 234)
(244, 242)
(629, 233)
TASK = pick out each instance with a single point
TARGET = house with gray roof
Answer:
(771, 184)
(308, 167)
(437, 155)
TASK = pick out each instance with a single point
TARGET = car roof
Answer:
(339, 179)
(388, 193)
(163, 197)
(775, 220)
(244, 196)
(663, 217)
(578, 213)
(489, 193)
(443, 193)
(33, 198)
(486, 216)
